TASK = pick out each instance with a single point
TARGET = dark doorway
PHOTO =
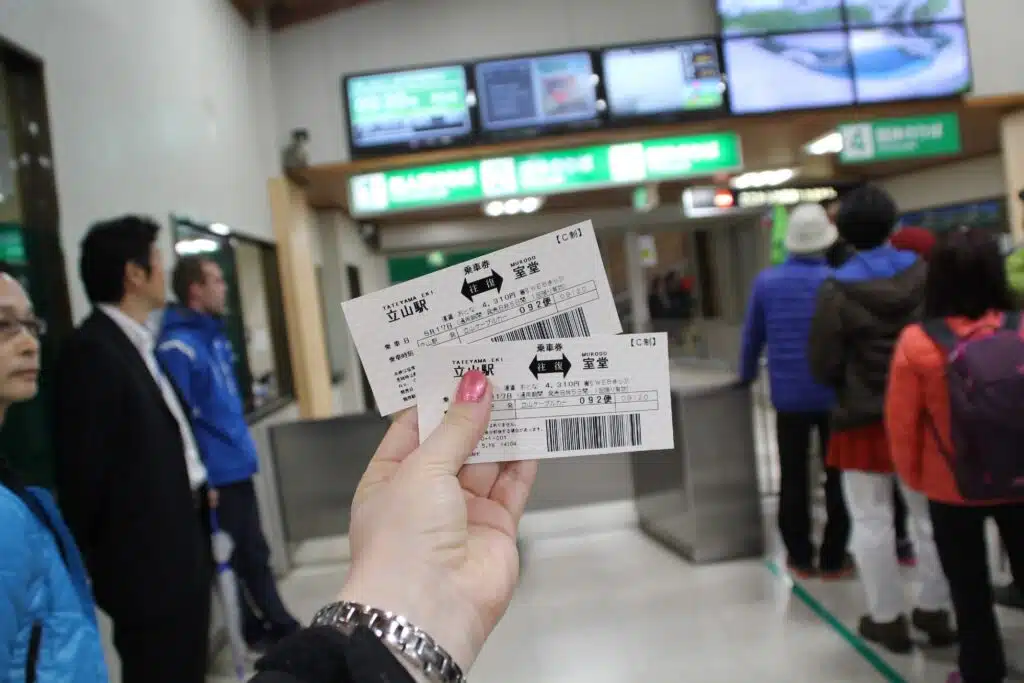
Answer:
(706, 274)
(30, 245)
(355, 290)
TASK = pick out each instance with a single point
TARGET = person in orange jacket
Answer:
(966, 292)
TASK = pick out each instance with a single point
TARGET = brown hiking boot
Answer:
(937, 625)
(893, 636)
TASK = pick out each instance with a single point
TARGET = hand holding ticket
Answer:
(560, 397)
(551, 286)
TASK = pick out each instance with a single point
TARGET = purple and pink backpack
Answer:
(985, 376)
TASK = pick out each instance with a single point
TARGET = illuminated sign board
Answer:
(544, 173)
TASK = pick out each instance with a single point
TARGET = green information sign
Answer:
(542, 173)
(905, 138)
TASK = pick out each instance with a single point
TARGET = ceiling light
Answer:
(220, 229)
(829, 143)
(513, 206)
(771, 178)
(530, 204)
(196, 246)
(494, 209)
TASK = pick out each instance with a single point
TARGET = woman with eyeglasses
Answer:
(48, 629)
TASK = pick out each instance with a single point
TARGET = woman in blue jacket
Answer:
(48, 631)
(779, 317)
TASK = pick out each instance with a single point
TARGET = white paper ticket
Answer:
(551, 286)
(562, 397)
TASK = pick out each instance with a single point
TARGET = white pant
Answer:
(873, 543)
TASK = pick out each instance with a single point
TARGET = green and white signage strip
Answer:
(898, 139)
(544, 173)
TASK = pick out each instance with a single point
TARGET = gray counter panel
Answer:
(702, 498)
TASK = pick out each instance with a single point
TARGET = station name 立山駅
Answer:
(544, 173)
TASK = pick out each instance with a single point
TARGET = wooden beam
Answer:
(1007, 102)
(294, 222)
(286, 14)
(246, 8)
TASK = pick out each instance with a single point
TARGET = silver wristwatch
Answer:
(418, 648)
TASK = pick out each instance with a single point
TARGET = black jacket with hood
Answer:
(859, 315)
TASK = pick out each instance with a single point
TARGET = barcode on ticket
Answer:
(563, 325)
(593, 431)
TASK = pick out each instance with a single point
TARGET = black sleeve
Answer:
(86, 438)
(324, 655)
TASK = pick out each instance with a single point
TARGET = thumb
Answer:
(458, 434)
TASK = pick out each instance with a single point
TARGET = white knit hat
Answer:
(810, 231)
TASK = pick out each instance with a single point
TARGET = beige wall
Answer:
(154, 107)
(373, 272)
(1013, 168)
(951, 183)
(994, 36)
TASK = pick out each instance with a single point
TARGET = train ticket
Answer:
(551, 286)
(559, 397)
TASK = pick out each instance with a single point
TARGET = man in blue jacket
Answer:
(48, 629)
(196, 354)
(779, 316)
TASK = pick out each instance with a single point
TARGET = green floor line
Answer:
(856, 642)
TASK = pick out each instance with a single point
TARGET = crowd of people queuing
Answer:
(904, 354)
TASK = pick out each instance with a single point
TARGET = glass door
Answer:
(193, 239)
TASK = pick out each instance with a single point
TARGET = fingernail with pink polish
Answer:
(472, 387)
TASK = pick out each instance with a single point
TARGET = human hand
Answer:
(213, 498)
(433, 540)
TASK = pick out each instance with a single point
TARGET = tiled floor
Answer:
(845, 600)
(613, 606)
(616, 607)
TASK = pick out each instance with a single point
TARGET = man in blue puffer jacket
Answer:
(197, 356)
(48, 631)
(779, 316)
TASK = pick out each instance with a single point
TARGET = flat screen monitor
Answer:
(412, 108)
(536, 92)
(751, 17)
(911, 61)
(882, 12)
(668, 78)
(788, 72)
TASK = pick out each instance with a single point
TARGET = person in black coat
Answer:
(434, 558)
(129, 480)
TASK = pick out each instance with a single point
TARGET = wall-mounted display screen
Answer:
(910, 61)
(779, 73)
(749, 17)
(648, 80)
(535, 92)
(881, 12)
(416, 107)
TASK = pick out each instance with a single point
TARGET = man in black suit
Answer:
(129, 477)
